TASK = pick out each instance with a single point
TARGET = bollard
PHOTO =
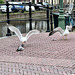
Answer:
(48, 19)
(8, 21)
(51, 19)
(30, 16)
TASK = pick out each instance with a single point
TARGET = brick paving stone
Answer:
(37, 74)
(29, 73)
(33, 73)
(56, 71)
(69, 73)
(47, 69)
(14, 74)
(43, 69)
(60, 70)
(72, 74)
(51, 70)
(39, 68)
(25, 72)
(73, 71)
(64, 73)
(35, 68)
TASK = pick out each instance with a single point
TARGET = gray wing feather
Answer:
(17, 32)
(58, 29)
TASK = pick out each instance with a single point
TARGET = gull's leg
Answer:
(63, 38)
(22, 44)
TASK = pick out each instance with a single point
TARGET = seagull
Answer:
(21, 38)
(61, 31)
(70, 28)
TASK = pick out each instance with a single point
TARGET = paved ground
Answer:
(41, 56)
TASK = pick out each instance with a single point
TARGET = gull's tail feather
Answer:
(16, 31)
(50, 33)
(31, 33)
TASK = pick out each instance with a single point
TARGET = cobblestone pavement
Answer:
(8, 68)
(41, 56)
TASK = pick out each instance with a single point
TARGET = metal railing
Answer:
(49, 20)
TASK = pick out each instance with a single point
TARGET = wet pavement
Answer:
(41, 55)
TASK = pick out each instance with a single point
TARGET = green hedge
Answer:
(1, 1)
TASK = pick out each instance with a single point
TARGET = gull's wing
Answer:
(17, 32)
(58, 29)
(31, 33)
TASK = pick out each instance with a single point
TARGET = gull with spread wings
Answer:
(21, 38)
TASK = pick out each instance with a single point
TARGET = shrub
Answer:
(1, 1)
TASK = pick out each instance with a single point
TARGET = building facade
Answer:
(49, 1)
